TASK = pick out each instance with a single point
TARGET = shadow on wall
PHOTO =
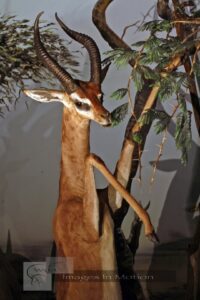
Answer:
(177, 223)
(176, 220)
(29, 173)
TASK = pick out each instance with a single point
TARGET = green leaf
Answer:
(172, 84)
(182, 103)
(196, 70)
(182, 80)
(149, 73)
(156, 26)
(151, 115)
(183, 135)
(147, 118)
(119, 114)
(137, 137)
(120, 57)
(137, 77)
(119, 94)
(18, 61)
(163, 122)
(167, 88)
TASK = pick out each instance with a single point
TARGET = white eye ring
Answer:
(74, 96)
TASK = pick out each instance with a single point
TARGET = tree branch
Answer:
(144, 100)
(182, 33)
(99, 19)
(164, 10)
(187, 21)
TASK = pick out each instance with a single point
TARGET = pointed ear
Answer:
(46, 96)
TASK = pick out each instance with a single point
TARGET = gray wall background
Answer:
(30, 144)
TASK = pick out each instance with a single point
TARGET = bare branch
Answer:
(187, 21)
(129, 97)
(160, 153)
(141, 22)
(127, 27)
(99, 19)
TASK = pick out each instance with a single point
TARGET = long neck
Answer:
(75, 148)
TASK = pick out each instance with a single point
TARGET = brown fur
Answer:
(90, 90)
(76, 222)
(69, 229)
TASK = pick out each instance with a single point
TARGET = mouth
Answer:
(104, 119)
(107, 122)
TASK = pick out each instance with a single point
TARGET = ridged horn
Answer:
(90, 45)
(63, 76)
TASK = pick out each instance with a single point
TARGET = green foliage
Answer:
(154, 50)
(183, 134)
(149, 58)
(147, 118)
(183, 126)
(196, 68)
(120, 57)
(156, 26)
(137, 137)
(148, 73)
(18, 61)
(172, 84)
(163, 119)
(140, 73)
(182, 103)
(119, 114)
(137, 76)
(167, 87)
(119, 94)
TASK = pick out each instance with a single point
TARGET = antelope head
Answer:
(81, 97)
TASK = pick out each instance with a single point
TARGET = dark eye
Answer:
(78, 104)
(82, 106)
